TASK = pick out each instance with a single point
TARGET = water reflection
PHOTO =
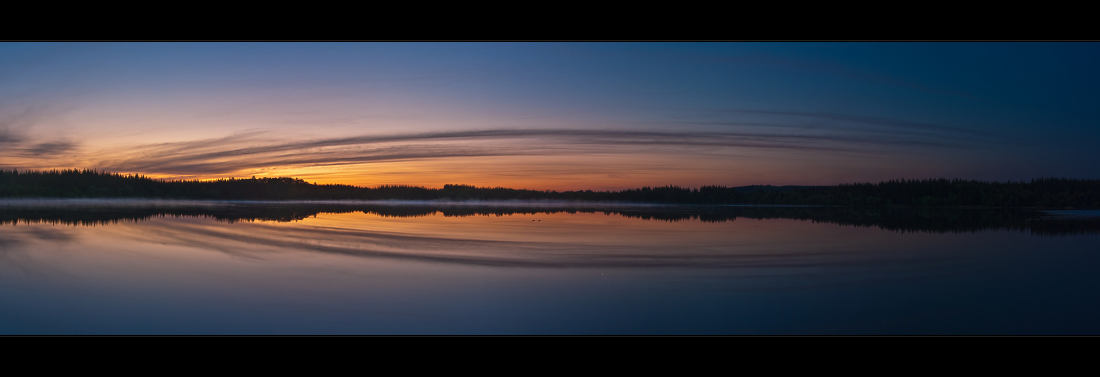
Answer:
(72, 267)
(540, 239)
(933, 220)
(522, 235)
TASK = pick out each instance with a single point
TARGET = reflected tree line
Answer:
(899, 219)
(1037, 193)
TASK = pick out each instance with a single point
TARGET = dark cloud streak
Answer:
(881, 133)
(49, 149)
(868, 120)
(15, 125)
(224, 156)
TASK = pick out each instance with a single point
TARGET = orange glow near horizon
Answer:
(597, 172)
(519, 158)
(553, 116)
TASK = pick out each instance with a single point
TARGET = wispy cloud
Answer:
(876, 121)
(7, 137)
(257, 150)
(19, 146)
(17, 140)
(49, 148)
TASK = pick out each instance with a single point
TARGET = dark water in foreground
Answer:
(148, 267)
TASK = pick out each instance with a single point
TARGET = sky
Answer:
(555, 116)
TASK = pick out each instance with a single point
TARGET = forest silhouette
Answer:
(1043, 193)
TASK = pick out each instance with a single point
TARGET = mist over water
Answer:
(177, 203)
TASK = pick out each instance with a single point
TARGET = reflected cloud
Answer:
(47, 234)
(676, 236)
(254, 240)
(19, 237)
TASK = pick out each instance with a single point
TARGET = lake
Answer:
(199, 267)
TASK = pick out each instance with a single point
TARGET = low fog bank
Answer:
(1074, 213)
(481, 203)
(171, 203)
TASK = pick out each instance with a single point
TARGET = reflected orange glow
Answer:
(537, 240)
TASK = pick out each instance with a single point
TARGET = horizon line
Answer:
(169, 180)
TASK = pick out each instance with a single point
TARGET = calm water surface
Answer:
(174, 269)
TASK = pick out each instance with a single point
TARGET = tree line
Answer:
(1037, 193)
(898, 219)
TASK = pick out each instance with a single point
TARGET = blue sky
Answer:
(554, 115)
